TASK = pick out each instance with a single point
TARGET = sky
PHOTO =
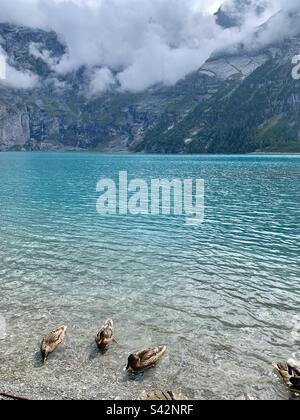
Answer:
(135, 44)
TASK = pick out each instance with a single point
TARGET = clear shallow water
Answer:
(224, 296)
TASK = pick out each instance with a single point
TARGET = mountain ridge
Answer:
(240, 102)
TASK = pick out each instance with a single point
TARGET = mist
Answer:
(135, 44)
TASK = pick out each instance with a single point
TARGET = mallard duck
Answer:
(290, 374)
(145, 359)
(106, 335)
(162, 396)
(52, 341)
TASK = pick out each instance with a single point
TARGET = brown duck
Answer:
(289, 373)
(106, 335)
(145, 359)
(52, 341)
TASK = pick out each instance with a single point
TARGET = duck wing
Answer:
(55, 336)
(106, 333)
(152, 355)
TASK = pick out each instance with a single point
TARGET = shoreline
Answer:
(128, 153)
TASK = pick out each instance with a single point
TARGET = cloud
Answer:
(20, 80)
(142, 42)
(37, 51)
(136, 44)
(14, 78)
(281, 21)
(102, 80)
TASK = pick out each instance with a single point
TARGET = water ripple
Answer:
(223, 296)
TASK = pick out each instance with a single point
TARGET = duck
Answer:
(290, 374)
(145, 359)
(52, 341)
(106, 335)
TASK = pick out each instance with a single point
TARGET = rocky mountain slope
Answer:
(255, 109)
(232, 13)
(236, 103)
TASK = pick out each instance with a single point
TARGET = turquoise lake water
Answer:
(224, 296)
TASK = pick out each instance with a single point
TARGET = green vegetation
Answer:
(259, 113)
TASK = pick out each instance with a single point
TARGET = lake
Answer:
(223, 296)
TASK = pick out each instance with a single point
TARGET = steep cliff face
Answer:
(14, 128)
(236, 103)
(20, 124)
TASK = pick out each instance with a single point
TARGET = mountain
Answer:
(233, 13)
(238, 102)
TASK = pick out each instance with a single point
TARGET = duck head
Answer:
(132, 360)
(45, 355)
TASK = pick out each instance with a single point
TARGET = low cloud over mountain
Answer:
(135, 44)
